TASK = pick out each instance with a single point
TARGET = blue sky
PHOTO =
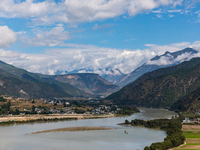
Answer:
(49, 35)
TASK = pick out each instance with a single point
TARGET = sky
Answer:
(51, 36)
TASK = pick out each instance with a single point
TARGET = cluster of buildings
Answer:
(103, 109)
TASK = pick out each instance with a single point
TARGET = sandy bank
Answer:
(35, 117)
(73, 129)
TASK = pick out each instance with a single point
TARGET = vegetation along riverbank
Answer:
(175, 136)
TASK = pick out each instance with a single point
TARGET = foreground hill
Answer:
(84, 85)
(162, 87)
(170, 59)
(21, 83)
(88, 82)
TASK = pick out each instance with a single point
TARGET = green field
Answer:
(191, 135)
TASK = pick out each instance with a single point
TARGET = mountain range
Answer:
(108, 73)
(162, 87)
(21, 83)
(165, 60)
(88, 82)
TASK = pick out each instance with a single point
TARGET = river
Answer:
(17, 137)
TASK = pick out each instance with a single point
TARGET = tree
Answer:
(64, 104)
(126, 121)
(33, 108)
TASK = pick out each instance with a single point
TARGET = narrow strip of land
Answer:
(58, 116)
(73, 129)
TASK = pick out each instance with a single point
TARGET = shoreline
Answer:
(8, 120)
(72, 129)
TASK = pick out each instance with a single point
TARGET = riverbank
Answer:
(172, 127)
(73, 129)
(4, 120)
(15, 137)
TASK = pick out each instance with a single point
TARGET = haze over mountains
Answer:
(118, 78)
(109, 74)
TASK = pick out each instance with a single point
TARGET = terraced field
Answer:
(192, 134)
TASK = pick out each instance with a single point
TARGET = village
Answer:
(21, 106)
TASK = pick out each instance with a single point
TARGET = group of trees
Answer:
(172, 127)
(127, 110)
(5, 108)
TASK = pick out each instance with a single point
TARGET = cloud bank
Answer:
(72, 11)
(90, 58)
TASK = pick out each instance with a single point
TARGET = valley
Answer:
(37, 98)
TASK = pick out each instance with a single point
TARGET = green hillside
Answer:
(190, 102)
(47, 86)
(161, 88)
(21, 83)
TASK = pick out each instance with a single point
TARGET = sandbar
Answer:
(69, 129)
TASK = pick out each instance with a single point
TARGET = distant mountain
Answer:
(111, 74)
(108, 73)
(162, 87)
(88, 82)
(165, 60)
(190, 102)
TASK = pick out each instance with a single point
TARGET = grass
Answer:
(193, 144)
(191, 135)
(185, 149)
(191, 132)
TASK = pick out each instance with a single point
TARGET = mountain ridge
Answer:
(162, 87)
(88, 82)
(29, 84)
(148, 67)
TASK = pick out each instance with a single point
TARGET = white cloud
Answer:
(127, 40)
(54, 37)
(160, 49)
(198, 13)
(104, 26)
(159, 16)
(169, 60)
(9, 54)
(92, 58)
(171, 16)
(175, 11)
(7, 36)
(157, 11)
(70, 11)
